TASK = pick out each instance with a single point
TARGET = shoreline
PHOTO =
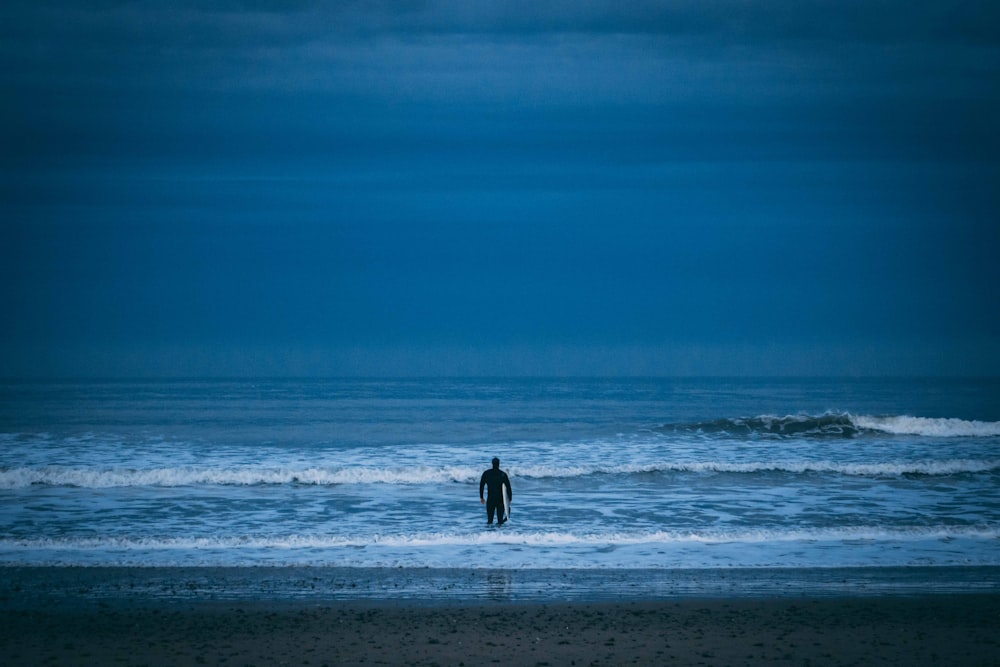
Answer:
(342, 616)
(83, 587)
(912, 631)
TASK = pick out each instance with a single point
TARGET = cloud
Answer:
(243, 36)
(823, 76)
(813, 172)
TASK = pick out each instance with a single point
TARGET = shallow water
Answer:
(607, 474)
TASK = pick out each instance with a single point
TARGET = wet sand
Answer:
(920, 630)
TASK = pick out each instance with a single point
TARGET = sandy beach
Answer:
(926, 630)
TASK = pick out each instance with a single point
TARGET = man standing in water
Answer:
(495, 479)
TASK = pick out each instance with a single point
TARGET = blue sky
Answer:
(499, 188)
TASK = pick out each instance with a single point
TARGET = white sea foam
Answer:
(841, 425)
(102, 478)
(244, 476)
(509, 537)
(889, 469)
(925, 426)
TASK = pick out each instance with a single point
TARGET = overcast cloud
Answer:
(240, 188)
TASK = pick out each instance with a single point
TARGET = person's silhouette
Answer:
(494, 479)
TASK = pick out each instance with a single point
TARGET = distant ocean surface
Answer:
(607, 474)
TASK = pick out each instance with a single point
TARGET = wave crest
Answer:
(942, 428)
(249, 476)
(18, 478)
(533, 538)
(842, 425)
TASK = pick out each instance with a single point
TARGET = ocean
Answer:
(608, 475)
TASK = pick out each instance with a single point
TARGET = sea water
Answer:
(607, 474)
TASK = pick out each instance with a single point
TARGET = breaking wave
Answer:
(534, 538)
(17, 478)
(843, 425)
(247, 476)
(942, 428)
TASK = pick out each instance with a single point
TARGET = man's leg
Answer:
(491, 507)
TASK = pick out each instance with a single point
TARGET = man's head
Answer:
(496, 462)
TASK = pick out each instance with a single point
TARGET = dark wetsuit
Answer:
(494, 479)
